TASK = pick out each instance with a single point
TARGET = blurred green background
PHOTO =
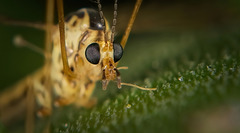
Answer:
(188, 49)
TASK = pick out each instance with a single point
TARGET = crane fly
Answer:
(83, 51)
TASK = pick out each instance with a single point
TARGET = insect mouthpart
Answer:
(110, 74)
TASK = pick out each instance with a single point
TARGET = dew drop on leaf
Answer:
(180, 78)
(128, 106)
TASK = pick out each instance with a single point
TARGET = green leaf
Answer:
(194, 74)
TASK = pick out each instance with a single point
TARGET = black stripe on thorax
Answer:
(94, 17)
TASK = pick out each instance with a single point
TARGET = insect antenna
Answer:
(114, 20)
(102, 18)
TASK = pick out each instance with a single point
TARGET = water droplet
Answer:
(180, 78)
(65, 125)
(128, 106)
(209, 68)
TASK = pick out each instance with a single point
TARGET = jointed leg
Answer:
(29, 126)
(130, 23)
(66, 67)
(9, 21)
(21, 42)
(49, 25)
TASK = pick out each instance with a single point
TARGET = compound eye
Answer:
(92, 53)
(118, 51)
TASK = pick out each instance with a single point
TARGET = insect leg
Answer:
(66, 68)
(13, 102)
(130, 23)
(29, 125)
(42, 82)
(42, 91)
(9, 21)
(49, 25)
(21, 42)
(43, 98)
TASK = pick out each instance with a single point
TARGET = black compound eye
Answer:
(92, 53)
(118, 51)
